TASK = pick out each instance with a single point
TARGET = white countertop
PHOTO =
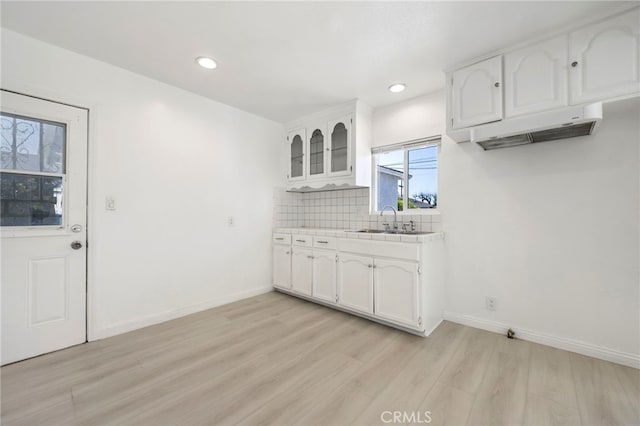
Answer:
(345, 233)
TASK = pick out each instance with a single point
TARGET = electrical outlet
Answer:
(490, 303)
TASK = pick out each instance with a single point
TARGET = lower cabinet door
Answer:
(324, 275)
(301, 270)
(396, 291)
(355, 282)
(282, 266)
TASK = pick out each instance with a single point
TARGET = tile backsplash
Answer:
(342, 209)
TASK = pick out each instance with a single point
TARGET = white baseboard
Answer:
(148, 320)
(629, 360)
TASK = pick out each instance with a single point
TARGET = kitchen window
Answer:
(406, 175)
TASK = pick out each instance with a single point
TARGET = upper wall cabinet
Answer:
(336, 152)
(605, 59)
(296, 143)
(317, 144)
(477, 93)
(535, 78)
(597, 62)
(340, 146)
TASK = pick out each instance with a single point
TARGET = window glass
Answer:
(31, 145)
(422, 189)
(30, 200)
(407, 179)
(390, 171)
(32, 158)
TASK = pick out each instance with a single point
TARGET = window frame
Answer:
(432, 141)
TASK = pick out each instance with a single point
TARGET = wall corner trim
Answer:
(582, 348)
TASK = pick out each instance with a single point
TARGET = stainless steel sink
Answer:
(370, 231)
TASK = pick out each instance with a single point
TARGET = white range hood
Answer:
(547, 126)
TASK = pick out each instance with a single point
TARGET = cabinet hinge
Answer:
(420, 321)
(287, 137)
(337, 298)
(452, 121)
(351, 120)
(419, 271)
(336, 257)
(351, 168)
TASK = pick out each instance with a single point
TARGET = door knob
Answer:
(76, 245)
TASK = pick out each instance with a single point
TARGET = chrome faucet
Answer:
(395, 217)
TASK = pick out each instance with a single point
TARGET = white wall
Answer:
(550, 230)
(178, 165)
(409, 120)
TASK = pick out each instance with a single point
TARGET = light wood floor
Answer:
(273, 359)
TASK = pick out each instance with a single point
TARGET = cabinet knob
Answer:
(497, 84)
(574, 64)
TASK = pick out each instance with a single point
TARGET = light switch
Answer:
(110, 203)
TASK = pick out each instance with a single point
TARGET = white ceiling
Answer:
(281, 60)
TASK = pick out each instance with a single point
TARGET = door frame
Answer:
(87, 105)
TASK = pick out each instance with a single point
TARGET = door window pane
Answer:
(31, 145)
(30, 200)
(296, 156)
(316, 152)
(339, 148)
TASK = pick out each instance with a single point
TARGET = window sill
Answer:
(413, 212)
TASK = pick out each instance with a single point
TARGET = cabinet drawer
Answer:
(302, 240)
(408, 251)
(324, 242)
(282, 239)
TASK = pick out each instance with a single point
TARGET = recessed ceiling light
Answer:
(397, 87)
(207, 63)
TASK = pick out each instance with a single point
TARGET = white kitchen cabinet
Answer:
(339, 150)
(605, 59)
(396, 291)
(535, 78)
(324, 275)
(378, 280)
(301, 270)
(476, 93)
(336, 151)
(316, 163)
(282, 266)
(296, 140)
(355, 282)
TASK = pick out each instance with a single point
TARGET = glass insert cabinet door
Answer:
(340, 144)
(316, 151)
(296, 154)
(32, 155)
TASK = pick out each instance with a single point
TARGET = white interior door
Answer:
(43, 226)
